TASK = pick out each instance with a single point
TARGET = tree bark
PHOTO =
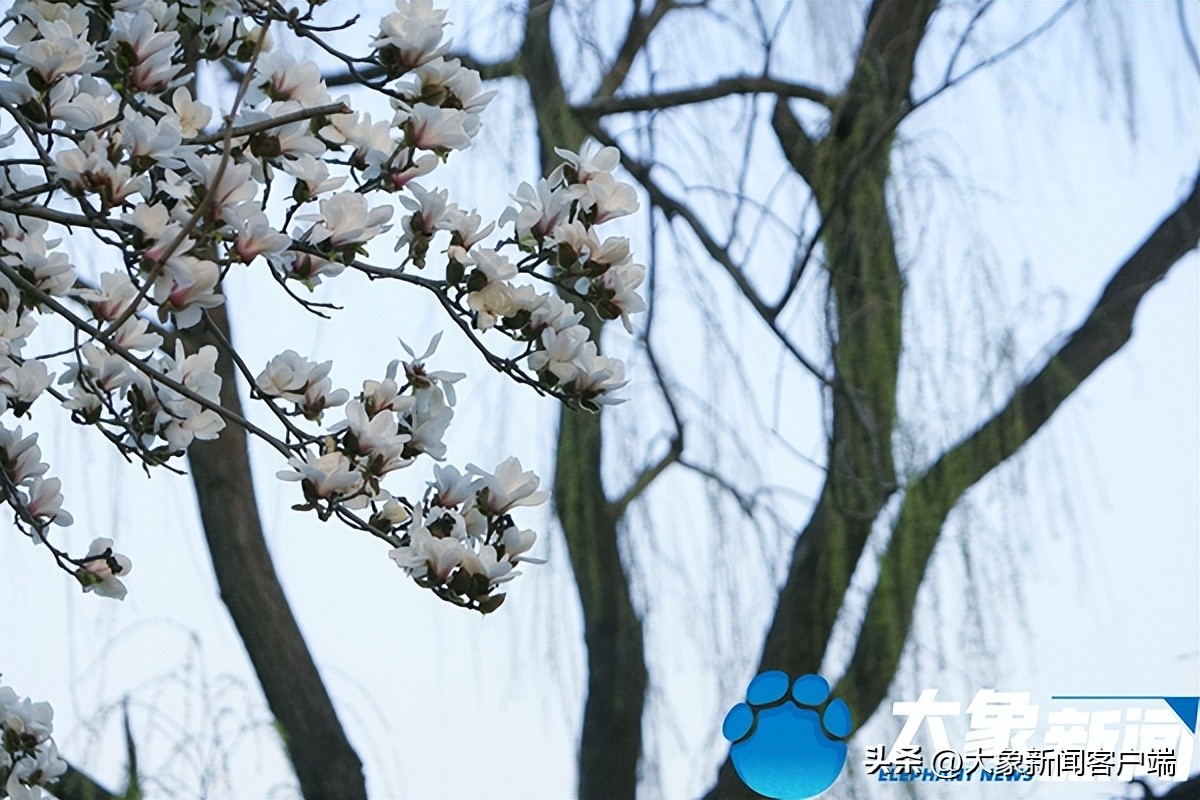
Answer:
(325, 763)
(610, 742)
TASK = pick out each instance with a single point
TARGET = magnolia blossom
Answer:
(100, 369)
(489, 564)
(28, 756)
(128, 158)
(562, 348)
(312, 174)
(188, 115)
(621, 283)
(283, 78)
(377, 436)
(100, 569)
(58, 50)
(45, 501)
(589, 162)
(51, 271)
(186, 287)
(413, 33)
(433, 128)
(235, 185)
(152, 49)
(22, 458)
(256, 236)
(509, 486)
(21, 384)
(609, 198)
(598, 379)
(326, 476)
(345, 219)
(541, 210)
(287, 374)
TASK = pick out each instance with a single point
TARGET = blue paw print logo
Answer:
(785, 745)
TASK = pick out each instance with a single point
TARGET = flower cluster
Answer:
(461, 541)
(178, 192)
(28, 756)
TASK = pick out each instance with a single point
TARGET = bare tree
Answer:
(846, 159)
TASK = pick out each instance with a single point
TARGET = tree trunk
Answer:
(325, 763)
(610, 743)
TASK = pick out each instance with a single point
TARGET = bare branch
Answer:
(488, 71)
(640, 28)
(798, 146)
(951, 82)
(724, 87)
(273, 122)
(673, 208)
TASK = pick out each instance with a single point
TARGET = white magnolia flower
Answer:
(413, 33)
(281, 77)
(187, 286)
(135, 334)
(57, 51)
(372, 141)
(320, 395)
(432, 212)
(151, 143)
(561, 350)
(45, 501)
(101, 568)
(22, 457)
(88, 168)
(21, 384)
(78, 108)
(291, 140)
(235, 186)
(256, 236)
(378, 435)
(598, 377)
(328, 475)
(608, 197)
(426, 554)
(427, 421)
(487, 563)
(541, 210)
(509, 486)
(492, 302)
(451, 487)
(345, 219)
(518, 542)
(51, 270)
(153, 50)
(100, 371)
(433, 128)
(551, 311)
(189, 115)
(592, 160)
(313, 173)
(622, 282)
(287, 374)
(115, 295)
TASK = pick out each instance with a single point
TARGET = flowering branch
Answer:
(111, 127)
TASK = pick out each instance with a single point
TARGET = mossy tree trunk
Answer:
(610, 742)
